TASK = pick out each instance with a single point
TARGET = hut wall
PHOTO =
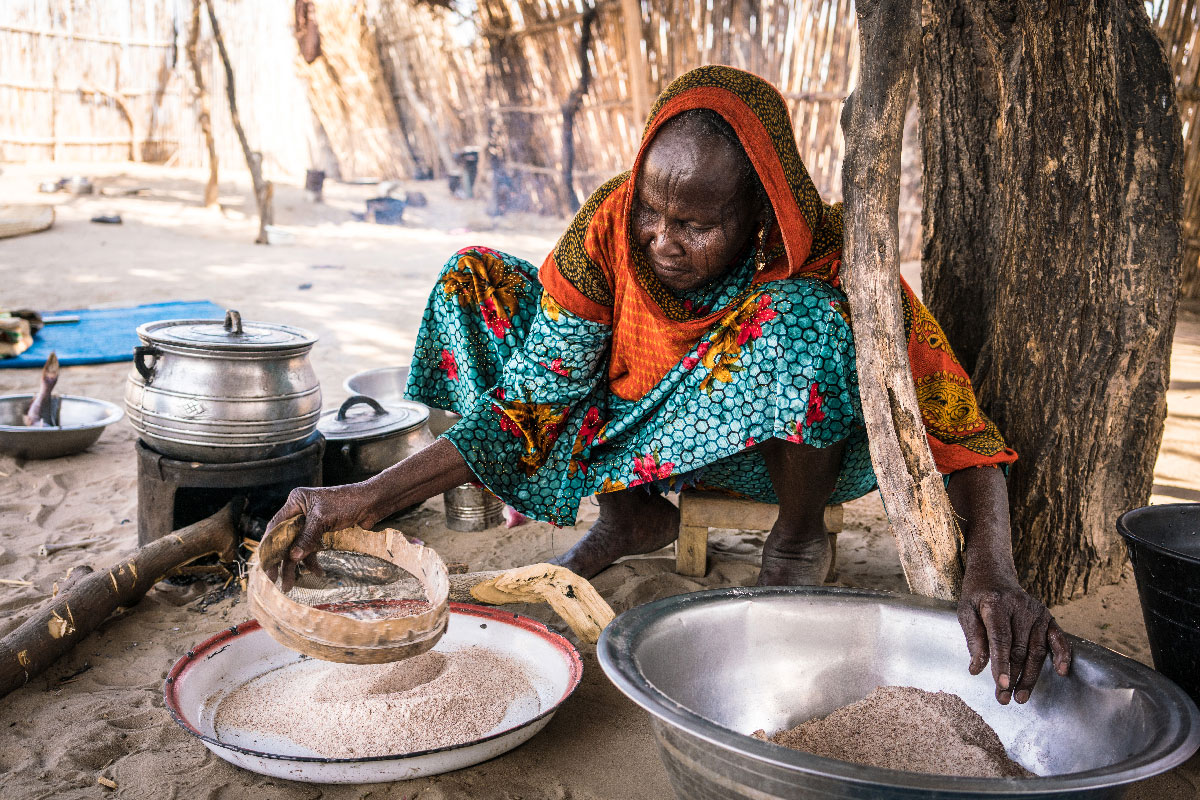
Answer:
(69, 69)
(1178, 24)
(434, 67)
(807, 49)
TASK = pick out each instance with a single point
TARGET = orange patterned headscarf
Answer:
(597, 272)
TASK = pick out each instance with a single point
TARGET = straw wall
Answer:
(1179, 27)
(806, 48)
(434, 65)
(78, 79)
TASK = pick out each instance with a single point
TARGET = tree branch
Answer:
(873, 120)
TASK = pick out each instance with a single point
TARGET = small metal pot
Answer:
(363, 444)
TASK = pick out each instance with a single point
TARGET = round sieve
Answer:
(331, 634)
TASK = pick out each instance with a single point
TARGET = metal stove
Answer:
(173, 493)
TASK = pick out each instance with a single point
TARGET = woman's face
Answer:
(693, 213)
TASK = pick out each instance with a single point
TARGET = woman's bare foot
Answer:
(795, 560)
(631, 521)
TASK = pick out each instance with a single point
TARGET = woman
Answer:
(688, 329)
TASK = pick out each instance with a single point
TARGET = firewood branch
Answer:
(873, 120)
(86, 598)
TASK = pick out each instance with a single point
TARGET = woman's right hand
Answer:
(328, 509)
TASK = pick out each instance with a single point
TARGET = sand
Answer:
(908, 729)
(368, 285)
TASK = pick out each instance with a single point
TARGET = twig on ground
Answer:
(50, 549)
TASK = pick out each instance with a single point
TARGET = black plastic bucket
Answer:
(1164, 545)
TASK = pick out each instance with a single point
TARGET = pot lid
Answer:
(361, 417)
(230, 334)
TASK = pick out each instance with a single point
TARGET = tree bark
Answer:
(1052, 185)
(203, 115)
(87, 598)
(873, 120)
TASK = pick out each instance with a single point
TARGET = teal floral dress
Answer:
(542, 430)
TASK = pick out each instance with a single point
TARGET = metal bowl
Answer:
(386, 384)
(713, 666)
(83, 420)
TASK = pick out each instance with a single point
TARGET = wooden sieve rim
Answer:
(335, 637)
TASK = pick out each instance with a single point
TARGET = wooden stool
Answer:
(699, 511)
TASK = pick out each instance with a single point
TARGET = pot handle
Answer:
(355, 400)
(233, 322)
(139, 361)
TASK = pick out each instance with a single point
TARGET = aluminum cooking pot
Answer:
(223, 391)
(372, 438)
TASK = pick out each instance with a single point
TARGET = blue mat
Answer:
(104, 335)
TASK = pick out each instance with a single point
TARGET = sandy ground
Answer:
(361, 288)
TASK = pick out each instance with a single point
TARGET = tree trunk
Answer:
(873, 120)
(264, 192)
(1052, 184)
(200, 98)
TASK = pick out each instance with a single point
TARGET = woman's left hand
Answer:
(1011, 629)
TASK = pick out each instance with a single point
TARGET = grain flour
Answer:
(899, 727)
(436, 699)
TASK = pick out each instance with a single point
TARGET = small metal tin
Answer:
(471, 507)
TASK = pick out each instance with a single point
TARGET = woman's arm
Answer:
(1003, 624)
(432, 470)
(560, 360)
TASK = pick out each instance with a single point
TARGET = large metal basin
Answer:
(713, 666)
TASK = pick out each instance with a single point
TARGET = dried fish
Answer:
(43, 411)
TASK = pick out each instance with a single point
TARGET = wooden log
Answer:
(873, 119)
(203, 115)
(572, 597)
(85, 598)
(263, 191)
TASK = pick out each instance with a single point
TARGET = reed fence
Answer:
(1178, 23)
(109, 81)
(808, 49)
(553, 93)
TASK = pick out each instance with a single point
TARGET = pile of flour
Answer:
(899, 727)
(436, 699)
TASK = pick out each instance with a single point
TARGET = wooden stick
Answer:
(200, 98)
(574, 599)
(571, 107)
(873, 119)
(50, 549)
(119, 97)
(639, 81)
(87, 598)
(263, 190)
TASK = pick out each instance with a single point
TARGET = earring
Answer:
(760, 254)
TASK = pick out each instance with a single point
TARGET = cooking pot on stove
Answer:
(222, 392)
(364, 437)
